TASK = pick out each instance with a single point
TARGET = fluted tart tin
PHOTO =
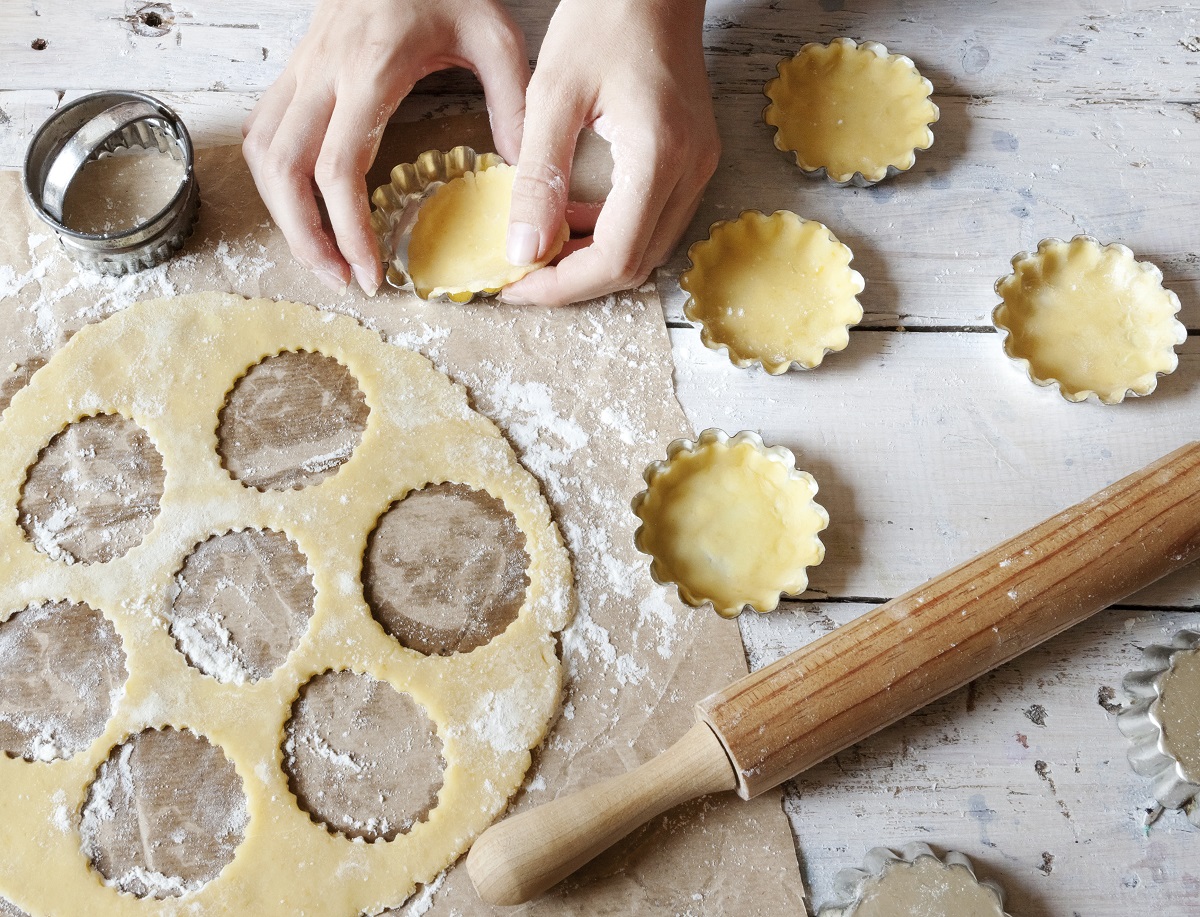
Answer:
(772, 290)
(730, 522)
(1162, 721)
(397, 204)
(914, 881)
(442, 226)
(851, 113)
(1089, 319)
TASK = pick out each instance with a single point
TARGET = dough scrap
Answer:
(772, 289)
(851, 110)
(168, 365)
(459, 243)
(730, 522)
(1090, 319)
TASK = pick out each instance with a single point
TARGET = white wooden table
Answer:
(928, 446)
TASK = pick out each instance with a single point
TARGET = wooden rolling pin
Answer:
(771, 725)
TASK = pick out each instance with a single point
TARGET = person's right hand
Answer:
(317, 129)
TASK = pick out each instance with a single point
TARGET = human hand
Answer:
(317, 129)
(634, 71)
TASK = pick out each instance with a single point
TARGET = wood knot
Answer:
(150, 20)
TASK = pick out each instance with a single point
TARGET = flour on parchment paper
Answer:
(69, 296)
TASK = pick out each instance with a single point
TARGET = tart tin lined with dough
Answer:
(915, 881)
(442, 224)
(852, 113)
(1162, 721)
(773, 290)
(1089, 319)
(730, 522)
(489, 706)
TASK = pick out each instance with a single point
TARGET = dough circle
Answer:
(168, 365)
(459, 244)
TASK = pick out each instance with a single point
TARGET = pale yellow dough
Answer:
(1089, 319)
(168, 365)
(926, 887)
(850, 108)
(774, 290)
(731, 523)
(459, 243)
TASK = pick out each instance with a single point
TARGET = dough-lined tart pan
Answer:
(914, 881)
(442, 222)
(852, 113)
(772, 289)
(1089, 319)
(730, 522)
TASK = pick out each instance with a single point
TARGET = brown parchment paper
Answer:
(585, 395)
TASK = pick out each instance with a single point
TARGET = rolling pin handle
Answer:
(520, 857)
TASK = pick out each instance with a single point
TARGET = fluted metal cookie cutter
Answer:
(92, 127)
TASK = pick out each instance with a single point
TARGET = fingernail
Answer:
(331, 280)
(509, 300)
(522, 243)
(366, 279)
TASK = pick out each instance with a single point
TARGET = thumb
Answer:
(539, 199)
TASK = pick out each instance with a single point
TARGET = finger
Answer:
(570, 247)
(264, 118)
(349, 148)
(614, 260)
(285, 180)
(497, 57)
(552, 122)
(582, 215)
(676, 216)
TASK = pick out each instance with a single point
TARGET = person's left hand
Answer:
(317, 129)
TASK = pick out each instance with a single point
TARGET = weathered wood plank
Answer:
(1024, 771)
(1078, 50)
(930, 448)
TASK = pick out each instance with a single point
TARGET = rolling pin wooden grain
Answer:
(771, 725)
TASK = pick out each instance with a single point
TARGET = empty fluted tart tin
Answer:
(1162, 721)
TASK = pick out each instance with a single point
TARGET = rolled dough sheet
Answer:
(585, 396)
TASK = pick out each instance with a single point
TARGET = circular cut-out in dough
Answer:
(159, 821)
(459, 244)
(490, 707)
(55, 699)
(291, 421)
(241, 603)
(854, 113)
(916, 881)
(445, 569)
(362, 759)
(774, 290)
(730, 522)
(1089, 319)
(93, 492)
